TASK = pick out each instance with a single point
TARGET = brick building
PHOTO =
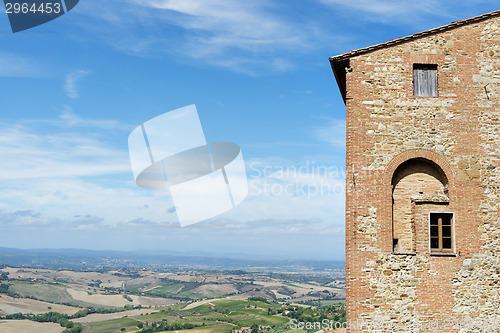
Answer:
(423, 178)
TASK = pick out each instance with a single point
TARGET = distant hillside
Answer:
(90, 259)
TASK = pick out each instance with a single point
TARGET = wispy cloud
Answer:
(219, 25)
(259, 36)
(385, 9)
(70, 182)
(34, 218)
(244, 36)
(28, 154)
(20, 217)
(418, 14)
(234, 34)
(69, 119)
(332, 132)
(270, 225)
(72, 80)
(69, 171)
(14, 65)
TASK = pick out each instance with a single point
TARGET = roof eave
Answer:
(338, 61)
(339, 68)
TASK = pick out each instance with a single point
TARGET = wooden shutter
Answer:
(424, 80)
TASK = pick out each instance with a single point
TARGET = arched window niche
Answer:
(420, 207)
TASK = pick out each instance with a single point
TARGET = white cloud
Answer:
(333, 132)
(69, 177)
(32, 218)
(385, 10)
(247, 25)
(68, 118)
(233, 34)
(255, 36)
(266, 226)
(14, 65)
(243, 36)
(287, 196)
(68, 172)
(72, 80)
(27, 154)
(424, 14)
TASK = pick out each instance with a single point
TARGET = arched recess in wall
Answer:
(417, 183)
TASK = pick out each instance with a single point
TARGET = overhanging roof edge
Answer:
(337, 62)
(400, 40)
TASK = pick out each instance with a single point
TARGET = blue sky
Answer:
(73, 89)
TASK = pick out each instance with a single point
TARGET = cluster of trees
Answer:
(50, 317)
(335, 312)
(164, 326)
(77, 328)
(90, 310)
(95, 283)
(4, 288)
(219, 309)
(283, 290)
(65, 320)
(128, 273)
(258, 299)
(323, 294)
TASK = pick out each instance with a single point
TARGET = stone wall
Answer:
(477, 284)
(459, 131)
(414, 181)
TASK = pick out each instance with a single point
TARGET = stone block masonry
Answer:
(423, 181)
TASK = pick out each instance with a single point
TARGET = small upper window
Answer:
(441, 232)
(425, 80)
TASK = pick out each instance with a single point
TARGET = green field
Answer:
(250, 311)
(217, 316)
(201, 308)
(44, 292)
(259, 320)
(112, 326)
(192, 294)
(167, 289)
(236, 305)
(217, 328)
(51, 293)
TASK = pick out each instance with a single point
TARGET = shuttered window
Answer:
(425, 80)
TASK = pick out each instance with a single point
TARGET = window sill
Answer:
(443, 254)
(413, 96)
(405, 253)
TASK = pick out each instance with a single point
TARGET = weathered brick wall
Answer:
(413, 181)
(459, 131)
